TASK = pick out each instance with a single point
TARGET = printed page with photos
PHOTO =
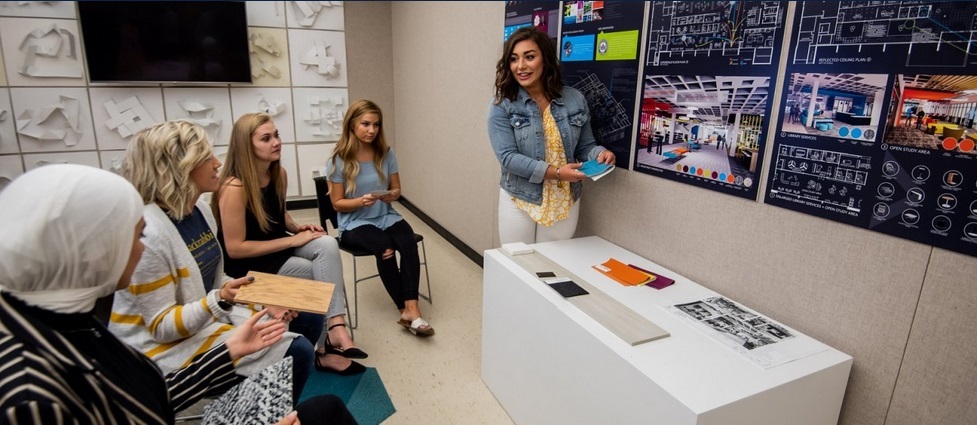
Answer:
(761, 340)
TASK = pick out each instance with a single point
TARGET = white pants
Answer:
(517, 226)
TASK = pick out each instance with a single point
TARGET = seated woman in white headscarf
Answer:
(180, 303)
(71, 236)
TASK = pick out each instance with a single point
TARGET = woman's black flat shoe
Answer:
(349, 353)
(354, 368)
(353, 353)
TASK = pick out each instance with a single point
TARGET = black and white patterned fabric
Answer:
(262, 399)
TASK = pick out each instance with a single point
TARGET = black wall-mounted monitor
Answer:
(192, 41)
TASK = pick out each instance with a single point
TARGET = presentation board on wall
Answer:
(544, 15)
(709, 73)
(877, 120)
(877, 124)
(599, 50)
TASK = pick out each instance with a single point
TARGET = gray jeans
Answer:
(319, 260)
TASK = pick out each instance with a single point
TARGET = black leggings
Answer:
(324, 409)
(401, 283)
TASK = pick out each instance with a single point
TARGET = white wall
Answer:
(444, 67)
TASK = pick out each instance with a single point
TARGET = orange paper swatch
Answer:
(622, 273)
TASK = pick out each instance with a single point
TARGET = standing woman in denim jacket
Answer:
(540, 132)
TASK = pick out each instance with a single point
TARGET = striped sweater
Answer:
(165, 313)
(44, 379)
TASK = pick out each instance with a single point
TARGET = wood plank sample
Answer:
(272, 290)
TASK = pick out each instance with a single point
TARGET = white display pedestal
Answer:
(549, 363)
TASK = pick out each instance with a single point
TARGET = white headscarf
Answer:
(66, 233)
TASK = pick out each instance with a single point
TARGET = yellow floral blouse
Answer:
(557, 198)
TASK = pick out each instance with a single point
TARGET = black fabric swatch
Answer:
(568, 289)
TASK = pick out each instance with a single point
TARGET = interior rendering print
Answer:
(933, 112)
(834, 105)
(708, 126)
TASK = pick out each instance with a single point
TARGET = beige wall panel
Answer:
(938, 381)
(854, 289)
(848, 287)
(369, 51)
(444, 68)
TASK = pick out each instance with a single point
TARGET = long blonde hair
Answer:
(159, 161)
(348, 144)
(240, 164)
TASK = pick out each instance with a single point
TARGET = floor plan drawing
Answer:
(719, 32)
(611, 119)
(919, 34)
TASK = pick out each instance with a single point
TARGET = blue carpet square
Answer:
(364, 394)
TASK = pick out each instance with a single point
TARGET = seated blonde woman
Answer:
(77, 239)
(258, 234)
(179, 304)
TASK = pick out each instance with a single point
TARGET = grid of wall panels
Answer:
(50, 113)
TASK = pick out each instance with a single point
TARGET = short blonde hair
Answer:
(159, 161)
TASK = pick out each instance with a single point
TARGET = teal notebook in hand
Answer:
(596, 170)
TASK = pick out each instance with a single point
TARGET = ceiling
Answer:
(863, 84)
(736, 94)
(958, 88)
(950, 83)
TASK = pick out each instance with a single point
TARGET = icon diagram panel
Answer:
(896, 108)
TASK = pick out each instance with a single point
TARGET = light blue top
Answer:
(380, 214)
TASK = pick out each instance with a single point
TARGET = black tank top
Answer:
(268, 263)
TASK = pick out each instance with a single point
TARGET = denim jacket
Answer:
(516, 132)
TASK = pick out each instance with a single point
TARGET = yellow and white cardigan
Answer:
(165, 313)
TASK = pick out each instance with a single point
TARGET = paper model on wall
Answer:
(273, 108)
(318, 57)
(263, 44)
(57, 122)
(127, 117)
(115, 165)
(48, 9)
(43, 50)
(306, 11)
(202, 115)
(260, 68)
(325, 115)
(269, 56)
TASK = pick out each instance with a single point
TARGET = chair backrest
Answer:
(953, 132)
(327, 214)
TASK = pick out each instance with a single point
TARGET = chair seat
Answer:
(356, 252)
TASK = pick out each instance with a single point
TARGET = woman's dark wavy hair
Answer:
(506, 86)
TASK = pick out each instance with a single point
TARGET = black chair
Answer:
(327, 215)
